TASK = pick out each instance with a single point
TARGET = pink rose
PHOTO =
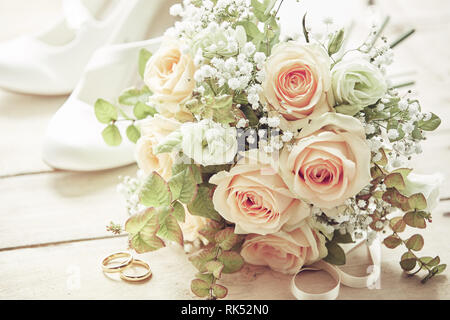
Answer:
(254, 197)
(329, 162)
(285, 252)
(170, 76)
(298, 83)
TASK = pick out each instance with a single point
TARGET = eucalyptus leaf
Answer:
(232, 261)
(200, 288)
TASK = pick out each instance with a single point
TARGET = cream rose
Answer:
(285, 252)
(329, 162)
(298, 83)
(254, 197)
(170, 76)
(153, 132)
(428, 185)
(191, 227)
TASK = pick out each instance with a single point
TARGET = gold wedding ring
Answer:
(119, 267)
(136, 278)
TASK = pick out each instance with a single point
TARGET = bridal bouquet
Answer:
(261, 149)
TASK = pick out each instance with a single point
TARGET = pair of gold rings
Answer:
(108, 266)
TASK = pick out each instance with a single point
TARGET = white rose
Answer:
(428, 185)
(357, 83)
(209, 143)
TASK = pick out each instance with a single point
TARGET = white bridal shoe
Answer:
(52, 62)
(74, 136)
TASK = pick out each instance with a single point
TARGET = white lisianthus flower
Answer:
(209, 143)
(428, 185)
(357, 83)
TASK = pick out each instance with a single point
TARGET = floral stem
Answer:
(402, 38)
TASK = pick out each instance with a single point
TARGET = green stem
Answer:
(402, 85)
(402, 38)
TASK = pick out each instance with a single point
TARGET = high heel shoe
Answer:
(52, 62)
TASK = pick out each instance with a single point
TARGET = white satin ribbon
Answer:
(340, 276)
(76, 13)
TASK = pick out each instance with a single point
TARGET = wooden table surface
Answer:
(52, 223)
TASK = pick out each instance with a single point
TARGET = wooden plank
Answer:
(72, 271)
(59, 206)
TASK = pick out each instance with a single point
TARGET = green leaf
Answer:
(232, 261)
(143, 243)
(415, 220)
(144, 56)
(415, 243)
(142, 229)
(431, 124)
(200, 259)
(250, 115)
(259, 9)
(336, 42)
(132, 97)
(395, 180)
(417, 201)
(397, 224)
(403, 171)
(342, 238)
(105, 111)
(226, 238)
(145, 221)
(155, 192)
(336, 254)
(392, 242)
(252, 31)
(133, 133)
(215, 268)
(430, 261)
(208, 278)
(170, 229)
(396, 199)
(219, 291)
(142, 111)
(202, 204)
(439, 269)
(408, 261)
(112, 135)
(349, 110)
(169, 143)
(200, 288)
(179, 212)
(183, 186)
(383, 161)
